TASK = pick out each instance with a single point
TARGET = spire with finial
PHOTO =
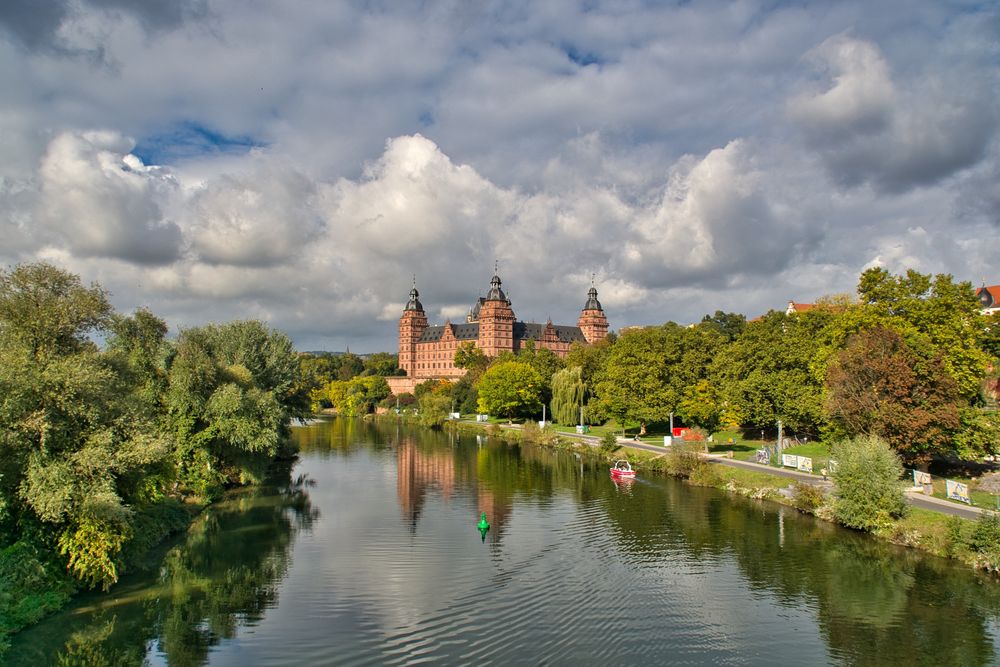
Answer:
(414, 302)
(496, 293)
(592, 302)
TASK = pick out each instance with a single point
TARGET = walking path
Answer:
(913, 496)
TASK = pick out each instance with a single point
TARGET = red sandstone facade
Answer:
(427, 352)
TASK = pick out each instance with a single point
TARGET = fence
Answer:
(964, 492)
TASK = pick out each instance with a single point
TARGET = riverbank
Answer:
(933, 528)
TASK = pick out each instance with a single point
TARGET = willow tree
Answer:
(568, 392)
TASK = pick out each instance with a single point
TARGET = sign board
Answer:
(680, 431)
(454, 415)
(790, 460)
(920, 478)
(833, 466)
(764, 457)
(805, 464)
(482, 418)
(667, 440)
(958, 491)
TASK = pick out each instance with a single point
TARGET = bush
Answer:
(530, 432)
(807, 497)
(684, 459)
(31, 587)
(869, 495)
(609, 444)
(985, 541)
(434, 409)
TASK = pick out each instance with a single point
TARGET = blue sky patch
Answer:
(189, 140)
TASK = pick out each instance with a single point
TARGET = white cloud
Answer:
(693, 157)
(102, 201)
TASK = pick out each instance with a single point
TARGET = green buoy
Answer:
(483, 526)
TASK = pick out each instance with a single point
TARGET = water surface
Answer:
(366, 553)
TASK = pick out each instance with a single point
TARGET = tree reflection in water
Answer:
(223, 575)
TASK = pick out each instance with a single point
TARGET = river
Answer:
(366, 553)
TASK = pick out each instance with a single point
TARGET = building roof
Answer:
(592, 302)
(799, 307)
(462, 332)
(989, 296)
(414, 302)
(522, 331)
(532, 331)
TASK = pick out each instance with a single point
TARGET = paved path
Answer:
(913, 496)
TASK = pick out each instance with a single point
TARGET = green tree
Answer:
(74, 432)
(434, 409)
(471, 358)
(728, 325)
(648, 371)
(869, 495)
(231, 394)
(568, 393)
(351, 366)
(384, 364)
(945, 311)
(766, 375)
(510, 389)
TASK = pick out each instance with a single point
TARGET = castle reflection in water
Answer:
(423, 470)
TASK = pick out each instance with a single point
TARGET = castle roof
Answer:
(414, 302)
(522, 331)
(592, 302)
(495, 293)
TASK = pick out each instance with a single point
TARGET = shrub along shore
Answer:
(867, 494)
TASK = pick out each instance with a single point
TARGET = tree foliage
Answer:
(765, 375)
(568, 393)
(869, 494)
(880, 385)
(648, 371)
(511, 389)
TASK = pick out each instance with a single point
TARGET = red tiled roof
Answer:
(802, 307)
(994, 291)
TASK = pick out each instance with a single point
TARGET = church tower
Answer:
(592, 322)
(496, 321)
(411, 325)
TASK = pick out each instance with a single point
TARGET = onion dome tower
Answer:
(593, 322)
(411, 326)
(496, 320)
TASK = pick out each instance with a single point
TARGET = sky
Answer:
(303, 162)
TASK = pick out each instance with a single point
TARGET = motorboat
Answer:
(622, 469)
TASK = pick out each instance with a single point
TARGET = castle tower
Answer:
(496, 321)
(592, 322)
(411, 325)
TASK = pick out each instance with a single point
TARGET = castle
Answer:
(427, 352)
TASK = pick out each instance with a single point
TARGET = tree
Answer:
(729, 325)
(471, 358)
(350, 365)
(568, 393)
(231, 394)
(48, 312)
(648, 371)
(589, 358)
(869, 494)
(74, 434)
(945, 311)
(510, 389)
(434, 409)
(382, 363)
(766, 375)
(882, 386)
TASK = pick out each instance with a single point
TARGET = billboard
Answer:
(958, 491)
